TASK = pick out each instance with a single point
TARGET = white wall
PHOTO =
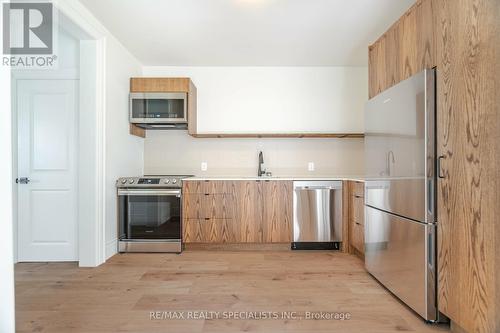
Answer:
(175, 152)
(276, 99)
(124, 152)
(266, 99)
(6, 236)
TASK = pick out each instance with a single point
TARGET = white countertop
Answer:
(309, 178)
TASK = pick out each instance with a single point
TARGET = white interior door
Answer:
(47, 156)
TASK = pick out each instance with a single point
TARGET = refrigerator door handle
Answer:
(430, 196)
(430, 250)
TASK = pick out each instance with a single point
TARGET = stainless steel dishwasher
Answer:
(317, 215)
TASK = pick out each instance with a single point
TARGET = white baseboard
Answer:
(111, 248)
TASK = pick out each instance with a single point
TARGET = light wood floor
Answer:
(119, 295)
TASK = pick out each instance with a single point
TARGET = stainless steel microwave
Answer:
(159, 110)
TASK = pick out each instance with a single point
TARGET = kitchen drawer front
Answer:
(209, 230)
(358, 236)
(358, 210)
(214, 206)
(208, 187)
(358, 189)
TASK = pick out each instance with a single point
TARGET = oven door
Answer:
(149, 214)
(164, 108)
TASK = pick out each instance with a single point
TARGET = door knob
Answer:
(22, 180)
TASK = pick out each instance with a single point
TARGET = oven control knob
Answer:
(174, 181)
(124, 181)
(166, 181)
(130, 181)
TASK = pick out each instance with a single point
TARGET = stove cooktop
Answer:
(152, 181)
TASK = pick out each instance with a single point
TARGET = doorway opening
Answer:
(58, 163)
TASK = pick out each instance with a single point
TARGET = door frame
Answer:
(91, 121)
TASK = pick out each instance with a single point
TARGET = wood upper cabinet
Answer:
(253, 211)
(462, 40)
(427, 21)
(377, 68)
(407, 48)
(162, 84)
(407, 35)
(392, 56)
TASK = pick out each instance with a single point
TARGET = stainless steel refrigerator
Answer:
(400, 197)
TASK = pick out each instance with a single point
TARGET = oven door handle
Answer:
(176, 193)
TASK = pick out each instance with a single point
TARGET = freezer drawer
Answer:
(317, 211)
(400, 253)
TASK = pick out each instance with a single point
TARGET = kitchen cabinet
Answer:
(209, 212)
(185, 85)
(462, 40)
(250, 211)
(377, 68)
(277, 211)
(241, 211)
(208, 230)
(166, 85)
(407, 48)
(356, 217)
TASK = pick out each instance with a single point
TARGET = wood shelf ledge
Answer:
(279, 135)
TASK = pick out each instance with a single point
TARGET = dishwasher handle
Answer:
(305, 188)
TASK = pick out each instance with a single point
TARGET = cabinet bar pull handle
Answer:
(439, 166)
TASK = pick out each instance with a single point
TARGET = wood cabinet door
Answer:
(209, 230)
(208, 186)
(408, 45)
(200, 206)
(358, 236)
(199, 231)
(249, 211)
(357, 216)
(358, 210)
(468, 141)
(150, 84)
(277, 215)
(391, 54)
(376, 68)
(427, 25)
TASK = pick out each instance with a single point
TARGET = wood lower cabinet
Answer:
(202, 206)
(253, 211)
(209, 230)
(250, 211)
(356, 216)
(277, 211)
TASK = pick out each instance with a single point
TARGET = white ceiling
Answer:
(248, 32)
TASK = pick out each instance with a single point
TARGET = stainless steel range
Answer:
(150, 214)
